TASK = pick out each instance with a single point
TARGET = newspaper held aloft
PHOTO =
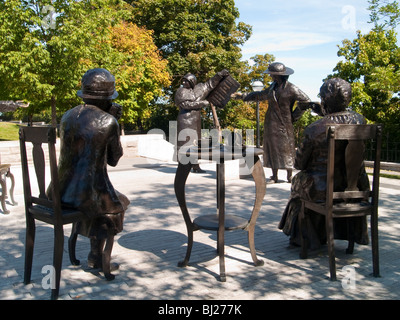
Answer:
(221, 95)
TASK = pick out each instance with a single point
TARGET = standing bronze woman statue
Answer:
(278, 139)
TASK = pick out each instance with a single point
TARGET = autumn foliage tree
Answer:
(139, 69)
(46, 46)
(197, 36)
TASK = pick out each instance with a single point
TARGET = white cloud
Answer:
(284, 41)
(303, 34)
(294, 25)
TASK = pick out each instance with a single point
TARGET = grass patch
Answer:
(9, 131)
(387, 175)
(390, 176)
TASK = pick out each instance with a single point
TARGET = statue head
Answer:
(98, 84)
(335, 95)
(191, 78)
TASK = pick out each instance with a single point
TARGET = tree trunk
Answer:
(53, 112)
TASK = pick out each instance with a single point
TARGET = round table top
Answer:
(211, 222)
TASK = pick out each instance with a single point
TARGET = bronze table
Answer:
(6, 173)
(220, 222)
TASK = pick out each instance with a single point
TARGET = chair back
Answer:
(38, 137)
(355, 135)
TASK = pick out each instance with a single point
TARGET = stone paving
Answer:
(154, 240)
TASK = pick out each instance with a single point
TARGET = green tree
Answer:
(139, 69)
(49, 45)
(195, 36)
(384, 14)
(258, 68)
(371, 63)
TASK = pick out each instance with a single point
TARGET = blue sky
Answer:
(303, 34)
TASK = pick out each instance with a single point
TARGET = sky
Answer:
(303, 34)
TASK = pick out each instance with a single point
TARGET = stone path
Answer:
(154, 240)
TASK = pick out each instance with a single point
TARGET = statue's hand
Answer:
(237, 96)
(204, 104)
(223, 73)
(317, 108)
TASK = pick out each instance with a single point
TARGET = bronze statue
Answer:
(90, 139)
(191, 98)
(278, 139)
(311, 159)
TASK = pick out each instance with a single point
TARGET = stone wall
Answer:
(147, 145)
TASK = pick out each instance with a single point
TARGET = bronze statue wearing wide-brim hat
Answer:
(279, 69)
(98, 84)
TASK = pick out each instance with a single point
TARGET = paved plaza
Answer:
(154, 241)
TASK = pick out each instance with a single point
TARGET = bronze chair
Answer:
(40, 207)
(351, 202)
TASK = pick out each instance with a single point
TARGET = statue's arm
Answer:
(252, 96)
(114, 147)
(193, 105)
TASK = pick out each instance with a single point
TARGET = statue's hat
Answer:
(191, 78)
(98, 84)
(279, 69)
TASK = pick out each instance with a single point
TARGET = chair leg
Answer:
(303, 234)
(257, 262)
(106, 257)
(57, 259)
(350, 247)
(350, 235)
(331, 248)
(374, 244)
(217, 242)
(29, 245)
(72, 245)
(221, 254)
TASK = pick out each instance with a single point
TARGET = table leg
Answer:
(261, 187)
(11, 176)
(181, 175)
(221, 218)
(3, 194)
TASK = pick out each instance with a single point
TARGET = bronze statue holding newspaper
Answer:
(192, 97)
